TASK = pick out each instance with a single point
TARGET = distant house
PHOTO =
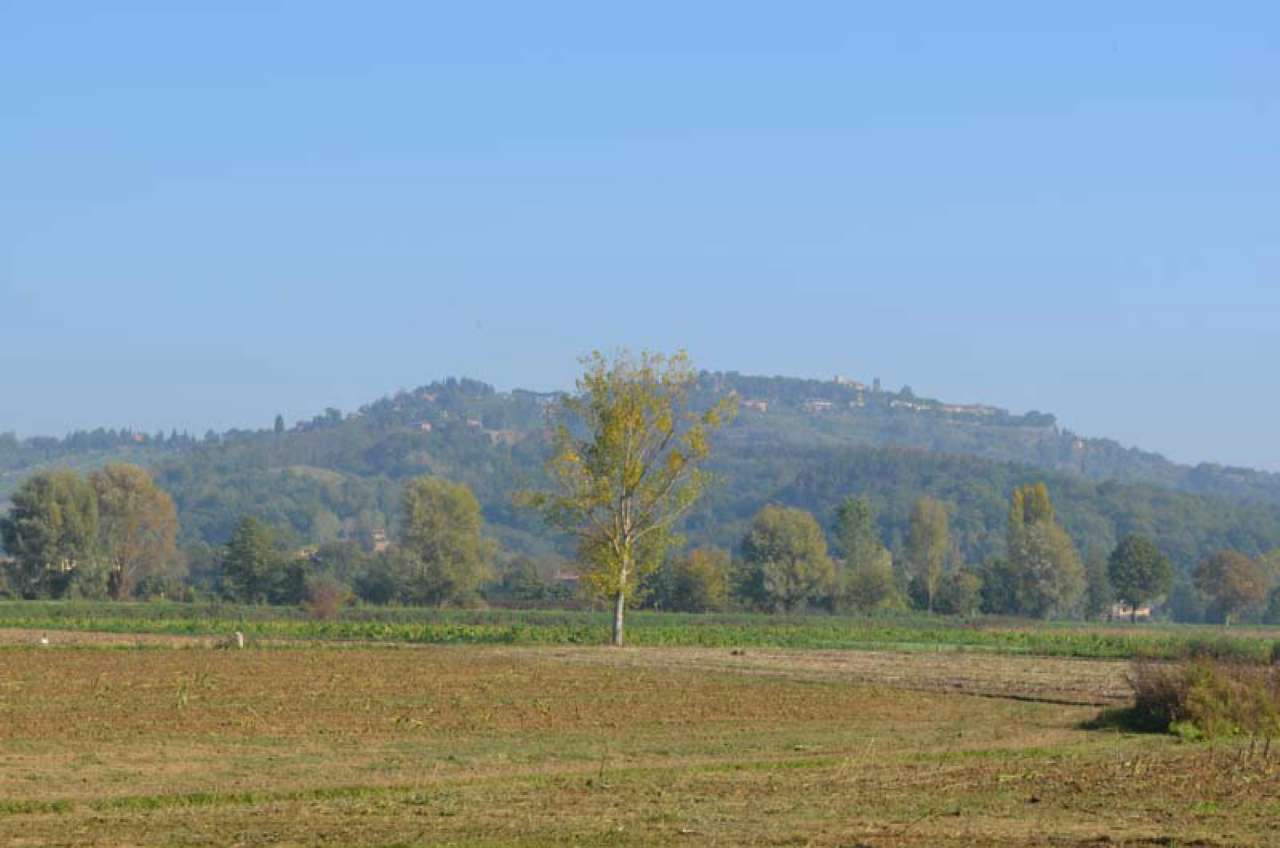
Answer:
(475, 423)
(503, 437)
(853, 384)
(1124, 611)
(817, 407)
(757, 405)
(380, 542)
(566, 577)
(424, 426)
(969, 409)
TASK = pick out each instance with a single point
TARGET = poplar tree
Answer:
(928, 540)
(627, 464)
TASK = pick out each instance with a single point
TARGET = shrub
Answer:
(1207, 698)
(326, 597)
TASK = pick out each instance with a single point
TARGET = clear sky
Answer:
(214, 212)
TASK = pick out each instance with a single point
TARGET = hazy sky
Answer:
(214, 212)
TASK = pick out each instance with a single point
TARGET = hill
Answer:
(805, 443)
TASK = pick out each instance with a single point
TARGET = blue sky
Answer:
(213, 212)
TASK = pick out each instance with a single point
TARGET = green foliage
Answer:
(1045, 575)
(137, 528)
(448, 557)
(495, 626)
(928, 541)
(1207, 698)
(1234, 582)
(869, 584)
(341, 476)
(785, 563)
(959, 593)
(625, 466)
(696, 581)
(1098, 594)
(51, 532)
(857, 539)
(252, 568)
(1138, 572)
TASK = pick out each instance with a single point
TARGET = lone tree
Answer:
(626, 466)
(1234, 581)
(1138, 572)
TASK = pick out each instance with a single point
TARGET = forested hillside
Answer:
(796, 442)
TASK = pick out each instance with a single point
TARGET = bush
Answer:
(325, 597)
(960, 593)
(1207, 698)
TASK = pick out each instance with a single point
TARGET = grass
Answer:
(544, 627)
(542, 746)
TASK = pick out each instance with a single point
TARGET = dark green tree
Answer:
(51, 532)
(1138, 572)
(857, 539)
(252, 566)
(785, 561)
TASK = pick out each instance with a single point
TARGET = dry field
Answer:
(328, 745)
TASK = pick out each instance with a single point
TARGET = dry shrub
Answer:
(1207, 698)
(326, 597)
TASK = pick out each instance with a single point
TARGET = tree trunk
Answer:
(619, 605)
(1133, 614)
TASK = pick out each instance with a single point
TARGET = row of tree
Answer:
(111, 533)
(625, 467)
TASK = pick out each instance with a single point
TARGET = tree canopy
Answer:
(626, 465)
(785, 561)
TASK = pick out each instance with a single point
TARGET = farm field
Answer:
(898, 632)
(171, 743)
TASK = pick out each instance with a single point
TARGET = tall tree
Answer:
(626, 465)
(928, 540)
(869, 584)
(444, 532)
(1099, 595)
(51, 531)
(137, 527)
(1049, 576)
(252, 567)
(856, 536)
(786, 561)
(1232, 580)
(1138, 572)
(866, 580)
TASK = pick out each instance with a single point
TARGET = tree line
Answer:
(627, 466)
